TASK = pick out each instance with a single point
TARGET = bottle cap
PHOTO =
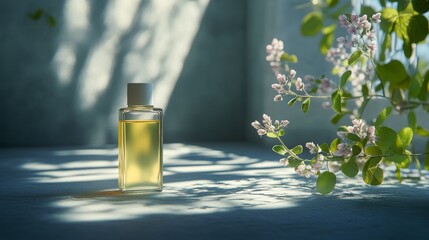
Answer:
(139, 94)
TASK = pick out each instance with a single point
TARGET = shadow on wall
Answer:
(63, 86)
(213, 80)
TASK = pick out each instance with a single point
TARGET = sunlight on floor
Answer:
(198, 180)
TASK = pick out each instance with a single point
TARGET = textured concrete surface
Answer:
(224, 191)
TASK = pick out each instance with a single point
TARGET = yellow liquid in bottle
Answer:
(139, 149)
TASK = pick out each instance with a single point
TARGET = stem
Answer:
(289, 92)
(294, 94)
(376, 72)
(288, 150)
(362, 108)
(404, 154)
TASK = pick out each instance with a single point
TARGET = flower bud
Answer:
(278, 98)
(299, 85)
(284, 123)
(285, 161)
(276, 86)
(281, 78)
(341, 40)
(292, 74)
(367, 25)
(261, 132)
(256, 125)
(376, 18)
(269, 48)
(371, 130)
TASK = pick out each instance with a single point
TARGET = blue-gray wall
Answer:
(194, 54)
(63, 85)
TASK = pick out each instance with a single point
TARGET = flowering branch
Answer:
(359, 147)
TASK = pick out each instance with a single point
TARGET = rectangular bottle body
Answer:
(140, 149)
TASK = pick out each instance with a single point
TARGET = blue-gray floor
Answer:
(212, 191)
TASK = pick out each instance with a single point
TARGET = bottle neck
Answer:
(141, 106)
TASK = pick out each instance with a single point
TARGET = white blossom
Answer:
(285, 161)
(312, 147)
(299, 84)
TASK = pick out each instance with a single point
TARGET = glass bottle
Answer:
(140, 141)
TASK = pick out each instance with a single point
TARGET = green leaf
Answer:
(356, 150)
(344, 78)
(417, 28)
(342, 129)
(374, 161)
(378, 87)
(36, 15)
(329, 29)
(334, 143)
(387, 43)
(397, 96)
(353, 137)
(312, 24)
(289, 58)
(422, 131)
(412, 121)
(369, 11)
(398, 173)
(350, 168)
(331, 3)
(297, 149)
(398, 159)
(401, 25)
(415, 87)
(271, 135)
(408, 50)
(281, 133)
(305, 105)
(393, 72)
(406, 135)
(326, 42)
(404, 6)
(421, 6)
(336, 101)
(279, 149)
(367, 171)
(324, 147)
(373, 151)
(293, 162)
(405, 162)
(383, 115)
(336, 118)
(355, 56)
(373, 176)
(365, 90)
(292, 101)
(388, 18)
(52, 22)
(326, 182)
(388, 141)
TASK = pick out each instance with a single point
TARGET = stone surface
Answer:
(212, 191)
